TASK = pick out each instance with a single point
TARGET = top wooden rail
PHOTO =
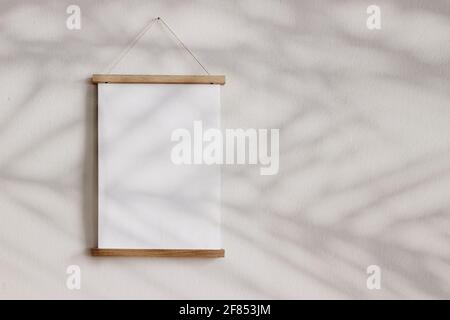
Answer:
(187, 79)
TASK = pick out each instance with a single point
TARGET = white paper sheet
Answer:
(145, 200)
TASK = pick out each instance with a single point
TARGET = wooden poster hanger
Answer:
(208, 79)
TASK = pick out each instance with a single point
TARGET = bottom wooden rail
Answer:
(169, 253)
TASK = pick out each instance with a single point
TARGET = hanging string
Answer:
(181, 42)
(147, 27)
(141, 33)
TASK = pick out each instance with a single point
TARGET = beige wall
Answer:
(364, 120)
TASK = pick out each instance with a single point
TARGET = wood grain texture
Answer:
(162, 253)
(171, 79)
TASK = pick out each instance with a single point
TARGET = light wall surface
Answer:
(364, 119)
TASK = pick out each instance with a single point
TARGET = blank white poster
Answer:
(145, 201)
